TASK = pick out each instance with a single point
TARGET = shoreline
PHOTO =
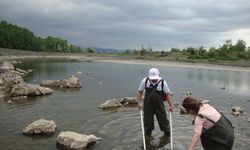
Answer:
(179, 64)
(10, 54)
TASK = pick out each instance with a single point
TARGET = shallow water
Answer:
(120, 129)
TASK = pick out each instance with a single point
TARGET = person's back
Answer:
(155, 89)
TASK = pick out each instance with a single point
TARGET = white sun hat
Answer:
(153, 74)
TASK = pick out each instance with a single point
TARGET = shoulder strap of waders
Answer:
(151, 84)
(146, 81)
(162, 84)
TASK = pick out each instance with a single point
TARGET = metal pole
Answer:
(171, 131)
(143, 134)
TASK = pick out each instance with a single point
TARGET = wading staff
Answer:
(171, 131)
(142, 127)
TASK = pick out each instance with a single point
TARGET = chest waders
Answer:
(218, 137)
(154, 105)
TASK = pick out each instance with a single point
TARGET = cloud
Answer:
(129, 24)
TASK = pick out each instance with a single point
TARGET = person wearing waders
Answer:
(156, 92)
(214, 130)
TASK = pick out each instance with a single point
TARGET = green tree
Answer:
(12, 36)
(90, 50)
(240, 46)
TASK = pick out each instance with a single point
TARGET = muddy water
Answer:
(120, 129)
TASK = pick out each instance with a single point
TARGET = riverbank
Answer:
(11, 54)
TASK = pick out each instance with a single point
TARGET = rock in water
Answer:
(24, 89)
(237, 110)
(72, 82)
(128, 100)
(41, 126)
(110, 104)
(73, 140)
(205, 101)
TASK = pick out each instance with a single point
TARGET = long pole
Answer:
(143, 135)
(171, 131)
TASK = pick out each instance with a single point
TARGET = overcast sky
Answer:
(123, 24)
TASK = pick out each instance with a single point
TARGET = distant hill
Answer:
(107, 50)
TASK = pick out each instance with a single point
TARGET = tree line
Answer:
(228, 51)
(15, 37)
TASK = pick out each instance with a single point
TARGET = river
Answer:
(119, 129)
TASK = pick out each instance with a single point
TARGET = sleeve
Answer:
(165, 87)
(142, 85)
(198, 125)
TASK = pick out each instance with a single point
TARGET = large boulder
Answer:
(41, 126)
(73, 140)
(72, 82)
(129, 100)
(24, 89)
(111, 103)
(8, 80)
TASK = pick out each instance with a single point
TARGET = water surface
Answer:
(120, 129)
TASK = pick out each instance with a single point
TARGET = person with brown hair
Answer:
(212, 127)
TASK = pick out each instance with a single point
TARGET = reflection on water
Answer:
(120, 128)
(233, 80)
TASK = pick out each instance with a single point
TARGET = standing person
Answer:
(156, 92)
(213, 128)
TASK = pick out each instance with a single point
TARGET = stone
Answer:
(72, 82)
(55, 83)
(41, 126)
(205, 101)
(129, 100)
(110, 104)
(24, 89)
(8, 80)
(6, 66)
(189, 93)
(22, 71)
(237, 110)
(73, 140)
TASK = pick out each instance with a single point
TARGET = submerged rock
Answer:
(110, 104)
(24, 89)
(40, 126)
(72, 82)
(73, 140)
(237, 110)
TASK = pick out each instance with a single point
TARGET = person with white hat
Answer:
(156, 92)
